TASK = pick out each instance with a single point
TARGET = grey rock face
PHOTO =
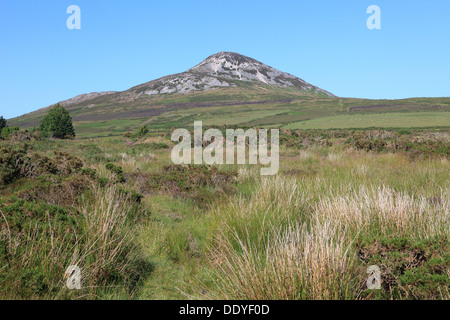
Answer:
(219, 70)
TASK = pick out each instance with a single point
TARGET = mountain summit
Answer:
(225, 78)
(225, 69)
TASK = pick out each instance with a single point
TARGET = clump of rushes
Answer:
(290, 239)
(40, 241)
(298, 262)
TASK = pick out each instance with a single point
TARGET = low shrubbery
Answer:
(423, 145)
(411, 269)
(7, 131)
(117, 172)
(403, 140)
(200, 183)
(18, 163)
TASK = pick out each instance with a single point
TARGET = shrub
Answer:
(411, 269)
(15, 164)
(6, 131)
(188, 180)
(20, 136)
(56, 190)
(404, 131)
(117, 171)
(142, 131)
(158, 145)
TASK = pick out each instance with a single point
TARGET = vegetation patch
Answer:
(198, 182)
(409, 270)
(17, 163)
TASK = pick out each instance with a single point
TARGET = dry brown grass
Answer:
(292, 238)
(381, 211)
(295, 263)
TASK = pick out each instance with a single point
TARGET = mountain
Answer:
(225, 78)
(223, 70)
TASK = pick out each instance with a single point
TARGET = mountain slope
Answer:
(230, 76)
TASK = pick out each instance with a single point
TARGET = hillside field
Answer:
(248, 105)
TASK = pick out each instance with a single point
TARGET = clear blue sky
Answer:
(123, 43)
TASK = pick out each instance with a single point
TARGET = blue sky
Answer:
(125, 43)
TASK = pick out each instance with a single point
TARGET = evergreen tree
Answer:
(57, 123)
(2, 123)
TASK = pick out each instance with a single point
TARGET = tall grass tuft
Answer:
(294, 238)
(108, 252)
(96, 239)
(299, 262)
(382, 211)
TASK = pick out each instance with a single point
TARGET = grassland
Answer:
(142, 228)
(349, 194)
(248, 104)
(90, 129)
(377, 120)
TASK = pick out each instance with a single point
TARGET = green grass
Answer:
(382, 120)
(301, 110)
(315, 114)
(88, 129)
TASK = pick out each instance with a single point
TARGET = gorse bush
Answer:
(31, 233)
(7, 131)
(17, 163)
(142, 131)
(109, 255)
(411, 269)
(93, 153)
(200, 183)
(117, 171)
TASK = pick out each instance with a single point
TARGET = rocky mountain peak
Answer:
(222, 70)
